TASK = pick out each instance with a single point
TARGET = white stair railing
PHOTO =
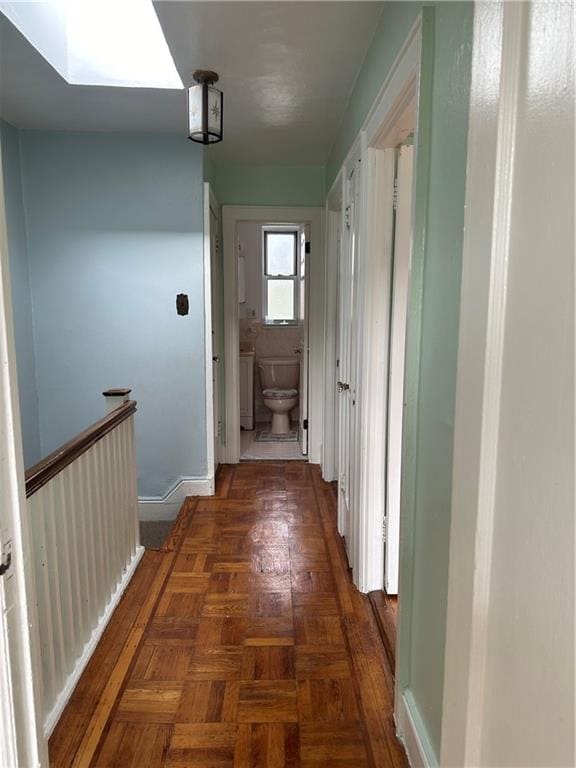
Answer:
(83, 508)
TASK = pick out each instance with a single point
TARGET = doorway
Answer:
(371, 252)
(274, 336)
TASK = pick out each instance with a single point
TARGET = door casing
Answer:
(314, 218)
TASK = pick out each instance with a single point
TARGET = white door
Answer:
(217, 328)
(347, 358)
(398, 316)
(304, 248)
(337, 343)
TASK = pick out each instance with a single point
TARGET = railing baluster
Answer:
(122, 442)
(44, 599)
(82, 502)
(76, 564)
(62, 534)
(92, 515)
(53, 553)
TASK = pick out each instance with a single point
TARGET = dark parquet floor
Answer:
(243, 644)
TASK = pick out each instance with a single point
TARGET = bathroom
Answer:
(272, 331)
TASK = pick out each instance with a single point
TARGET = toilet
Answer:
(279, 378)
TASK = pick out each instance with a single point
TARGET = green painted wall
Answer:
(438, 356)
(266, 185)
(395, 23)
(433, 339)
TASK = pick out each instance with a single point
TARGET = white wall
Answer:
(509, 686)
(529, 699)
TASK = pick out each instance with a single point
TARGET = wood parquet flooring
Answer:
(242, 645)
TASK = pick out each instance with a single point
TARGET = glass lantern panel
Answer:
(280, 253)
(214, 111)
(195, 109)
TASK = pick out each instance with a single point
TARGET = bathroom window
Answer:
(281, 276)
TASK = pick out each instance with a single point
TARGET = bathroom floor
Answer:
(252, 450)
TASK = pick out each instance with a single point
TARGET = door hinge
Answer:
(385, 528)
(307, 247)
(305, 424)
(347, 217)
(6, 558)
(395, 194)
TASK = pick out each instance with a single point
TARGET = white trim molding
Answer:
(412, 733)
(496, 63)
(374, 274)
(54, 715)
(167, 507)
(21, 736)
(208, 364)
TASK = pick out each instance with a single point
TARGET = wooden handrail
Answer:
(47, 468)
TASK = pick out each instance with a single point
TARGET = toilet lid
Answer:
(278, 393)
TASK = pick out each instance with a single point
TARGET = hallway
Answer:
(244, 643)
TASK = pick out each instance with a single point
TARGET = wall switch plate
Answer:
(182, 305)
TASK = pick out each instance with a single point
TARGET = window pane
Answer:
(280, 253)
(280, 300)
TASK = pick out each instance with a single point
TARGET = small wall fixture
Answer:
(205, 105)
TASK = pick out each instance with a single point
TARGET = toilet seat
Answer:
(279, 394)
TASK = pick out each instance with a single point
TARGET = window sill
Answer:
(281, 323)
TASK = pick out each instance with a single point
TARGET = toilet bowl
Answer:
(280, 402)
(279, 377)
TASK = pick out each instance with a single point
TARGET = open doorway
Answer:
(396, 143)
(273, 334)
(369, 250)
(273, 339)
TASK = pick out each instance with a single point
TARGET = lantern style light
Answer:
(205, 105)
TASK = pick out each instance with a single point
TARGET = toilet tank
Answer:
(279, 372)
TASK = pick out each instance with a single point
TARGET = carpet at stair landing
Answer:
(153, 533)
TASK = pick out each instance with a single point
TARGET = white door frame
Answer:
(400, 87)
(22, 741)
(231, 216)
(333, 215)
(210, 204)
(376, 257)
(399, 279)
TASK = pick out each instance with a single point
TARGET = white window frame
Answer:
(280, 230)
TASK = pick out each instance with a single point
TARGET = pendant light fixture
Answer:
(205, 108)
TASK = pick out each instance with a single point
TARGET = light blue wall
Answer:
(21, 301)
(114, 233)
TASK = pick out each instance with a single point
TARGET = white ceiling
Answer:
(286, 68)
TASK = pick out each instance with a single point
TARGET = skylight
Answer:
(98, 42)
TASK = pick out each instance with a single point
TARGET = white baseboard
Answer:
(413, 734)
(167, 507)
(56, 711)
